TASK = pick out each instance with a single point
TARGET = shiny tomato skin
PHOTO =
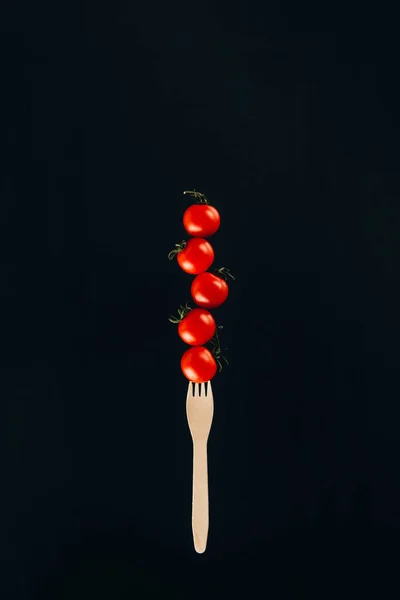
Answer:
(209, 290)
(196, 257)
(197, 328)
(198, 364)
(201, 220)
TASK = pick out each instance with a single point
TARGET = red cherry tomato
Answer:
(197, 328)
(198, 364)
(201, 220)
(209, 291)
(196, 257)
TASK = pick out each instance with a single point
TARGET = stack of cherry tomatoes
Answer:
(197, 326)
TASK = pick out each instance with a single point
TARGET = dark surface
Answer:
(288, 120)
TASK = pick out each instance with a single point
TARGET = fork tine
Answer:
(199, 390)
(203, 389)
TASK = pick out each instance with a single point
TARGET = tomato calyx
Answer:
(201, 198)
(223, 272)
(183, 311)
(178, 248)
(216, 349)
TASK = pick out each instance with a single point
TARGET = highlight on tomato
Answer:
(199, 364)
(195, 326)
(195, 256)
(210, 290)
(202, 219)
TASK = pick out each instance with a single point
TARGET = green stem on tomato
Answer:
(183, 311)
(178, 248)
(201, 198)
(223, 272)
(216, 349)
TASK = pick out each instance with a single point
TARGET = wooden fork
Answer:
(200, 410)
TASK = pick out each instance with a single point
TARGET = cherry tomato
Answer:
(198, 364)
(201, 220)
(197, 328)
(209, 291)
(196, 257)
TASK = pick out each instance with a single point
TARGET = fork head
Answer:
(199, 409)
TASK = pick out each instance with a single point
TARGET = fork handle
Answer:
(200, 496)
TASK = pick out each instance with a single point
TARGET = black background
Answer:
(286, 116)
